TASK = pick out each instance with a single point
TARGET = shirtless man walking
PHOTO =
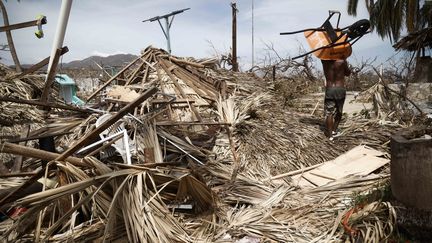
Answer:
(335, 72)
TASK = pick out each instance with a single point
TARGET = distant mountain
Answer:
(118, 60)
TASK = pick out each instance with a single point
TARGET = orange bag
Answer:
(318, 39)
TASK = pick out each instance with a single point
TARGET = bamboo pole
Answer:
(20, 25)
(12, 148)
(10, 39)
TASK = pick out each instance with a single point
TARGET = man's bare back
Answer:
(335, 72)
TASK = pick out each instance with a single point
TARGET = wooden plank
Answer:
(50, 76)
(85, 140)
(360, 160)
(308, 180)
(292, 173)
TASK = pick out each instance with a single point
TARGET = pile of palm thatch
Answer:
(207, 158)
(24, 88)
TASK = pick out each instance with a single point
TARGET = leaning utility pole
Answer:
(234, 37)
(168, 23)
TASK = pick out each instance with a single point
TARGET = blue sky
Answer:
(106, 27)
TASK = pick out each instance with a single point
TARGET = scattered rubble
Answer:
(173, 149)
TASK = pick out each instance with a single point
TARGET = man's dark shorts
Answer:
(334, 100)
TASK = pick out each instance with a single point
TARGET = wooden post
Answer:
(19, 159)
(234, 37)
(274, 73)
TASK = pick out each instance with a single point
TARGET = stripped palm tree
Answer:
(390, 17)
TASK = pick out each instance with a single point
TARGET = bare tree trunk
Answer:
(9, 39)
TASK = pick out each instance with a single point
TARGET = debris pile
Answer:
(173, 149)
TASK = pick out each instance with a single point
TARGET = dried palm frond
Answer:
(148, 142)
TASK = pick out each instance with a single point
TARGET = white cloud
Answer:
(104, 54)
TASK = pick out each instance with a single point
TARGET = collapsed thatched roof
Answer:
(151, 199)
(415, 41)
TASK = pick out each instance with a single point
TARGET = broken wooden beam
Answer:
(40, 103)
(12, 148)
(40, 64)
(85, 140)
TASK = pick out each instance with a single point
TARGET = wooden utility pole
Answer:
(234, 37)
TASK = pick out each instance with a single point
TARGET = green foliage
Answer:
(381, 192)
(390, 17)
